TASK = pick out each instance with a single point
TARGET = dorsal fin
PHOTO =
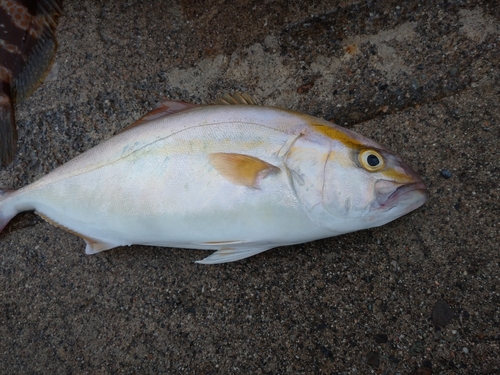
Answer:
(236, 98)
(165, 108)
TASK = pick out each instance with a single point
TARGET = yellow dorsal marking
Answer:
(241, 169)
(337, 135)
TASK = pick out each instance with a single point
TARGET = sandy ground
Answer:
(417, 296)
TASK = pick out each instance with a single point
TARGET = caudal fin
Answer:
(7, 211)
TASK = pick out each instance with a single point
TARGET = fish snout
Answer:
(412, 175)
(403, 187)
(411, 194)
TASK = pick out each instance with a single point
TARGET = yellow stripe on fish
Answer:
(337, 135)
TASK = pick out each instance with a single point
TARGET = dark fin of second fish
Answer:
(27, 48)
(8, 131)
(38, 49)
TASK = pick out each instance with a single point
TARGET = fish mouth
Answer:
(412, 195)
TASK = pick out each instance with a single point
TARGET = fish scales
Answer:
(27, 48)
(236, 178)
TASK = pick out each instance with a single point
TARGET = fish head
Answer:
(354, 183)
(370, 187)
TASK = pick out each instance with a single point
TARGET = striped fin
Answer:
(38, 49)
(236, 98)
(8, 131)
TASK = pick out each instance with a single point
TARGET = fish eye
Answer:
(371, 160)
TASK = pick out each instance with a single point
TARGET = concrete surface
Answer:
(417, 296)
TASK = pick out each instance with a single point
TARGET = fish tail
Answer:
(7, 209)
(8, 132)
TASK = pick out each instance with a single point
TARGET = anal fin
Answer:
(92, 246)
(232, 254)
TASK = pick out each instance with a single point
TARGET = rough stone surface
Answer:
(422, 78)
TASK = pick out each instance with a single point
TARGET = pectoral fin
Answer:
(232, 254)
(241, 169)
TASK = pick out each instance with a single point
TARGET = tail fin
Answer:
(7, 212)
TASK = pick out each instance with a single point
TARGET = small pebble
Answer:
(465, 350)
(373, 359)
(416, 348)
(442, 313)
(446, 173)
(381, 338)
(427, 364)
(422, 371)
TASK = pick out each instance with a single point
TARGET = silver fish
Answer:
(239, 179)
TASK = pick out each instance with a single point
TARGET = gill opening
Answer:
(324, 175)
(283, 151)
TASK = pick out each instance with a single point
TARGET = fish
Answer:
(27, 48)
(234, 177)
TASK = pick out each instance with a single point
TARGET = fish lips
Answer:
(410, 196)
